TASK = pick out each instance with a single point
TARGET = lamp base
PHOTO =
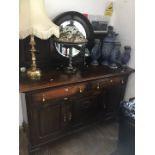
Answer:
(34, 74)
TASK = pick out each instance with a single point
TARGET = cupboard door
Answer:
(49, 119)
(114, 95)
(46, 121)
(85, 109)
(67, 114)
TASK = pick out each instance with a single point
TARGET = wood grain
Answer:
(55, 78)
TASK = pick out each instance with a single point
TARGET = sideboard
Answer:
(59, 104)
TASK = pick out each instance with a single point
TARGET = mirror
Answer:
(82, 24)
(61, 50)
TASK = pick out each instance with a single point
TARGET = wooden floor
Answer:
(97, 140)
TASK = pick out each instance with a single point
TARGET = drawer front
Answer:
(58, 93)
(64, 93)
(98, 84)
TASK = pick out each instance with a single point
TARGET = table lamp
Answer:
(34, 21)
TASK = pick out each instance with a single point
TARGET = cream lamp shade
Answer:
(33, 20)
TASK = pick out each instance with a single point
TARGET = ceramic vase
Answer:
(115, 55)
(125, 56)
(108, 45)
(96, 52)
(106, 49)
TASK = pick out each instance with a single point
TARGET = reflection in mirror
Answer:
(61, 50)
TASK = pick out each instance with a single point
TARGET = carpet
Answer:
(100, 139)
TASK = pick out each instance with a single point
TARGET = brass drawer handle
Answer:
(81, 90)
(43, 98)
(66, 98)
(66, 89)
(51, 80)
(98, 86)
(70, 116)
(111, 81)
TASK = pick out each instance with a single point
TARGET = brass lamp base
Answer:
(34, 74)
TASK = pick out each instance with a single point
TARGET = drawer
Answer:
(96, 85)
(59, 93)
(117, 81)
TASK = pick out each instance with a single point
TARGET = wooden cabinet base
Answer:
(71, 103)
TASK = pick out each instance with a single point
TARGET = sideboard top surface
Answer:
(56, 77)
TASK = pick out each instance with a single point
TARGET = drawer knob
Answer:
(51, 80)
(122, 81)
(43, 99)
(66, 98)
(98, 86)
(81, 90)
(111, 81)
(66, 89)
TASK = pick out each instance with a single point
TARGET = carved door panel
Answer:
(114, 95)
(85, 109)
(46, 121)
(67, 114)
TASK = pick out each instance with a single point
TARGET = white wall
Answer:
(20, 112)
(55, 7)
(124, 24)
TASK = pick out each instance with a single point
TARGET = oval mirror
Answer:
(81, 23)
(61, 50)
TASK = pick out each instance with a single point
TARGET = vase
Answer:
(106, 50)
(115, 55)
(125, 56)
(111, 35)
(96, 52)
(108, 45)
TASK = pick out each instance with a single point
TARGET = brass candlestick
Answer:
(33, 72)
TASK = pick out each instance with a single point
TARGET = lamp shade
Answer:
(33, 20)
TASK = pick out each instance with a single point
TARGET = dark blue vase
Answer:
(115, 55)
(96, 52)
(106, 50)
(108, 45)
(125, 56)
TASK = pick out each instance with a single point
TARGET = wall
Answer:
(124, 24)
(55, 7)
(20, 111)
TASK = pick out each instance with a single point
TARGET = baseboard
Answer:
(24, 126)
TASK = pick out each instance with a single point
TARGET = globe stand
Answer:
(70, 69)
(69, 45)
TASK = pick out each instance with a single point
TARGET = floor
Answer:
(97, 140)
